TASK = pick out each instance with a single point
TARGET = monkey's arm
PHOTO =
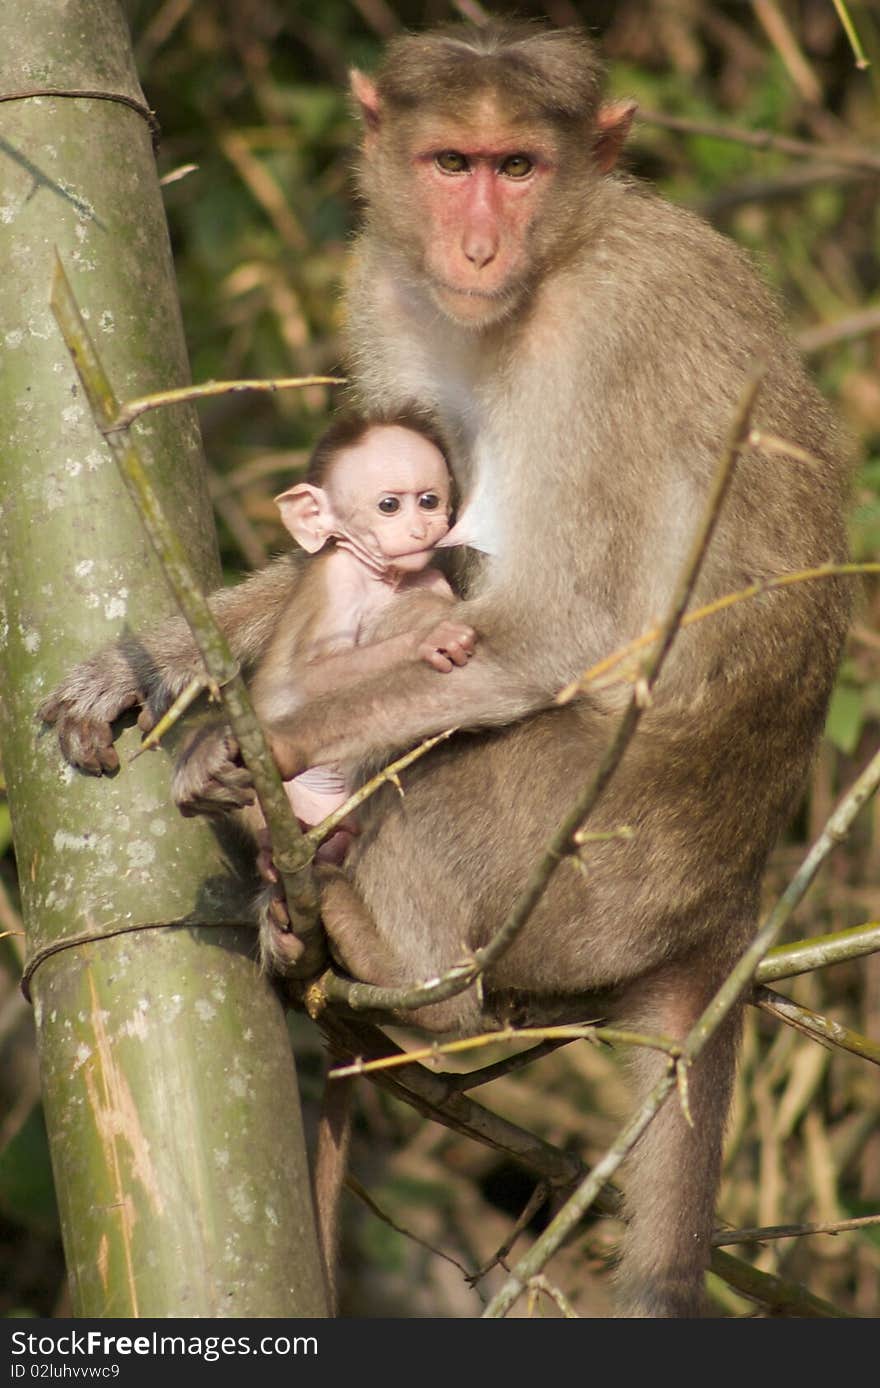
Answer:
(497, 686)
(301, 663)
(447, 644)
(209, 777)
(153, 669)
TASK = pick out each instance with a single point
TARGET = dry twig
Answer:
(849, 156)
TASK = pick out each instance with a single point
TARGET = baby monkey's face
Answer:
(392, 491)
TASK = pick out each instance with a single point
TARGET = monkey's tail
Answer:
(331, 1162)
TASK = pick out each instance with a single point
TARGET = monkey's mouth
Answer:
(472, 307)
(421, 553)
(495, 296)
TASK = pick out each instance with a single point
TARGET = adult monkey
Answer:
(583, 345)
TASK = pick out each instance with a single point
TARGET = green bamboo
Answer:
(291, 852)
(169, 1086)
(785, 961)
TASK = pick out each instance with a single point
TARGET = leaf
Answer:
(845, 717)
(27, 1192)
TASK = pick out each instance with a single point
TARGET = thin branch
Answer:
(131, 410)
(850, 156)
(603, 667)
(784, 184)
(568, 1217)
(472, 11)
(786, 1298)
(865, 636)
(783, 38)
(786, 961)
(822, 1029)
(860, 324)
(364, 1196)
(158, 31)
(436, 1098)
(536, 1201)
(782, 448)
(379, 16)
(264, 188)
(563, 844)
(11, 922)
(175, 175)
(725, 1238)
(835, 832)
(332, 987)
(805, 955)
(473, 1079)
(292, 854)
(558, 1297)
(183, 701)
(319, 832)
(586, 1032)
(849, 29)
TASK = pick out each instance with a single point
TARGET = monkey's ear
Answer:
(368, 102)
(612, 127)
(307, 514)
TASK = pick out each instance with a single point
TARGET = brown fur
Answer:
(586, 409)
(594, 407)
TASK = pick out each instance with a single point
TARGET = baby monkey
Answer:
(375, 501)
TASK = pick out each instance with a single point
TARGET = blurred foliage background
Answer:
(252, 93)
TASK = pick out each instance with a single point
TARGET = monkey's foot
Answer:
(209, 777)
(281, 951)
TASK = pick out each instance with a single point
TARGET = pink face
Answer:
(393, 491)
(481, 184)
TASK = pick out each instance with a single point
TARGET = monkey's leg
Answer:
(671, 1179)
(369, 956)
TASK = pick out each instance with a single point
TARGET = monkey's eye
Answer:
(449, 161)
(389, 505)
(517, 166)
(429, 501)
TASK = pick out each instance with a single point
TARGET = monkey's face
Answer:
(472, 218)
(391, 495)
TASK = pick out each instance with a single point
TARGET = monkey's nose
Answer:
(480, 248)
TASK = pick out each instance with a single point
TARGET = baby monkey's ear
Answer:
(308, 515)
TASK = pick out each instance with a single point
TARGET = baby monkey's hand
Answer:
(447, 644)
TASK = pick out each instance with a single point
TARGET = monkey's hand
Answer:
(83, 706)
(447, 644)
(209, 777)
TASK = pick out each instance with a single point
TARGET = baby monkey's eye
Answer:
(429, 501)
(517, 166)
(389, 505)
(451, 162)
